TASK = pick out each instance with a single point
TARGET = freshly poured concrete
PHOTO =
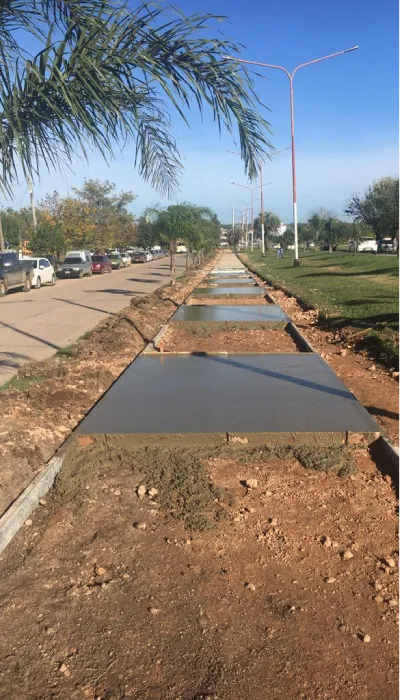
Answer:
(228, 281)
(207, 394)
(235, 291)
(255, 314)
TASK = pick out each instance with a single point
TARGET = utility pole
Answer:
(233, 226)
(2, 246)
(262, 214)
(30, 186)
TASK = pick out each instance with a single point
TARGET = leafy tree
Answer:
(146, 236)
(16, 226)
(379, 209)
(48, 238)
(233, 237)
(271, 226)
(109, 222)
(306, 235)
(104, 75)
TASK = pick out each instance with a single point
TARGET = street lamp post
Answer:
(291, 76)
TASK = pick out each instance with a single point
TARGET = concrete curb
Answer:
(27, 501)
(389, 451)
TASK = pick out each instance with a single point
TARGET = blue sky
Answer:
(346, 110)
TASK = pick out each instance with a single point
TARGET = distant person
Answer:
(280, 251)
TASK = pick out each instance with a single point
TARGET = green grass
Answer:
(350, 291)
(22, 383)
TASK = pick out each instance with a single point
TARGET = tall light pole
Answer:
(252, 189)
(291, 76)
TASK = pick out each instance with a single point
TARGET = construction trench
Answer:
(218, 528)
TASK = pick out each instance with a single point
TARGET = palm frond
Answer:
(106, 75)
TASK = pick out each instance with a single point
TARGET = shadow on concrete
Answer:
(86, 306)
(285, 377)
(141, 279)
(123, 292)
(30, 335)
(12, 359)
(110, 313)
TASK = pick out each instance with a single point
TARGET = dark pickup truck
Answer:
(13, 274)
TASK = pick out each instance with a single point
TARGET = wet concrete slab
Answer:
(252, 314)
(235, 291)
(230, 281)
(209, 394)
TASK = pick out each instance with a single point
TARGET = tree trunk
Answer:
(187, 258)
(172, 263)
(330, 248)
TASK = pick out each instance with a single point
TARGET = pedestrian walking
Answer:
(280, 251)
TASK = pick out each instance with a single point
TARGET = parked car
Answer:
(126, 259)
(387, 245)
(325, 246)
(181, 248)
(149, 255)
(42, 271)
(116, 261)
(77, 263)
(13, 275)
(365, 245)
(101, 264)
(139, 256)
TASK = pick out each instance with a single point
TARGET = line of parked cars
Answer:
(371, 245)
(28, 272)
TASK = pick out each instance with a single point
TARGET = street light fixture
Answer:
(291, 76)
(252, 189)
(282, 150)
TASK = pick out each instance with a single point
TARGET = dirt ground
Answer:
(228, 301)
(371, 383)
(187, 336)
(47, 399)
(286, 588)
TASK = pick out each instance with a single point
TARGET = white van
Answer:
(180, 248)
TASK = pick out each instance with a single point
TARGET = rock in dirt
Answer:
(140, 526)
(389, 561)
(153, 493)
(365, 637)
(28, 522)
(141, 490)
(154, 611)
(65, 670)
(347, 554)
(326, 541)
(343, 353)
(251, 483)
(330, 579)
(393, 603)
(100, 571)
(273, 521)
(250, 586)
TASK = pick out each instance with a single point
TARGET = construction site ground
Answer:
(212, 572)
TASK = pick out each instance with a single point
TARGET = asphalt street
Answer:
(37, 324)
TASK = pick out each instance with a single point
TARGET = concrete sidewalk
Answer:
(168, 396)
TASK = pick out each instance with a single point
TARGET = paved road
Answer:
(35, 325)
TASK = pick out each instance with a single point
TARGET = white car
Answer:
(365, 245)
(126, 259)
(43, 271)
(149, 256)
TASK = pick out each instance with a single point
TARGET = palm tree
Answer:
(104, 75)
(186, 222)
